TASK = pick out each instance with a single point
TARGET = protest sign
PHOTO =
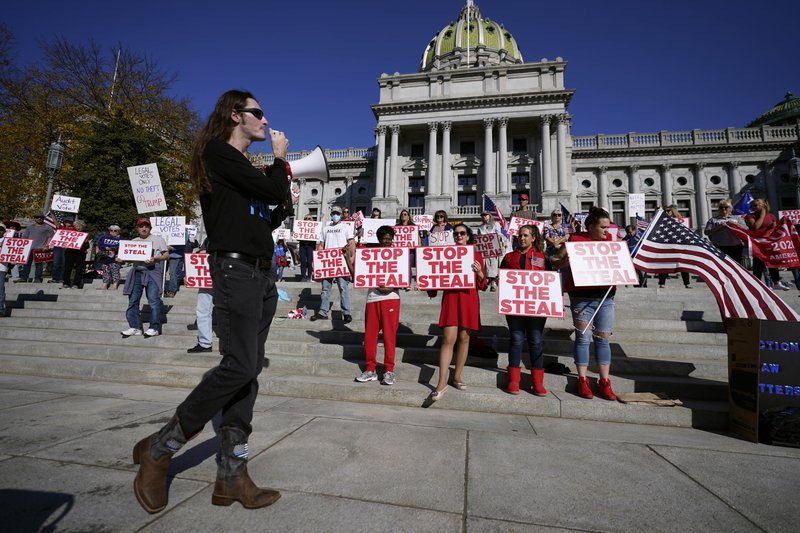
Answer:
(489, 245)
(441, 238)
(382, 267)
(600, 263)
(9, 233)
(330, 264)
(445, 267)
(191, 231)
(358, 218)
(530, 293)
(371, 225)
(518, 222)
(43, 256)
(281, 233)
(67, 238)
(198, 274)
(406, 237)
(15, 251)
(424, 222)
(616, 232)
(792, 214)
(67, 204)
(636, 205)
(146, 186)
(173, 229)
(135, 250)
(306, 230)
(686, 221)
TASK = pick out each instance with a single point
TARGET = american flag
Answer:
(491, 207)
(54, 219)
(568, 218)
(668, 246)
(641, 224)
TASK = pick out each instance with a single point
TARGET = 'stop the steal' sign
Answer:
(445, 267)
(517, 222)
(65, 238)
(382, 267)
(306, 230)
(601, 263)
(146, 186)
(66, 204)
(330, 264)
(489, 245)
(406, 237)
(15, 251)
(530, 293)
(198, 273)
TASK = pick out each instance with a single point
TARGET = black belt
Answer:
(258, 262)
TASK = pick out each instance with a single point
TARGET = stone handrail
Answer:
(761, 134)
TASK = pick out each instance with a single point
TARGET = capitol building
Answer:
(477, 119)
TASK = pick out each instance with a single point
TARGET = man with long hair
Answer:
(235, 199)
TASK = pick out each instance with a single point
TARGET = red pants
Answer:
(381, 316)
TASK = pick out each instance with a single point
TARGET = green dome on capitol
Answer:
(471, 41)
(784, 113)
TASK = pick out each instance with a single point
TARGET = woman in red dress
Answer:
(461, 312)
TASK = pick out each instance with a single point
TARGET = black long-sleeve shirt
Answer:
(236, 213)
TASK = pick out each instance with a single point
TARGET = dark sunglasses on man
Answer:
(256, 112)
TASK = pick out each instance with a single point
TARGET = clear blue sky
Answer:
(635, 65)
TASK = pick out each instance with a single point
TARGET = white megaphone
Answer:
(312, 166)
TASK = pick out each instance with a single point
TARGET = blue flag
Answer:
(742, 207)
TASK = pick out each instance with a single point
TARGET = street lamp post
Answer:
(794, 174)
(55, 158)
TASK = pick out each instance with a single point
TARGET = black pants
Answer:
(662, 278)
(306, 260)
(758, 270)
(245, 299)
(73, 267)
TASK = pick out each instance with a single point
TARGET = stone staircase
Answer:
(669, 340)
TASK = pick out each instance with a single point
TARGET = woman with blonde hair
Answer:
(760, 221)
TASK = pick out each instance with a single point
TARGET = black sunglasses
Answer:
(459, 233)
(256, 112)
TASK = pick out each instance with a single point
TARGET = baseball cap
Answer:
(113, 227)
(336, 209)
(523, 196)
(144, 222)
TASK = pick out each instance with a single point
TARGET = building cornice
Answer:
(475, 102)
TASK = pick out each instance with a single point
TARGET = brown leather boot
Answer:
(153, 454)
(233, 482)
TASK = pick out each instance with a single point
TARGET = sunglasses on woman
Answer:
(459, 233)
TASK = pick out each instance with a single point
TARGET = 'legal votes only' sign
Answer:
(382, 267)
(445, 267)
(600, 263)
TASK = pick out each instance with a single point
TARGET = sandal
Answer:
(438, 394)
(460, 385)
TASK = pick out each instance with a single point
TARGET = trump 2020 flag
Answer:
(669, 246)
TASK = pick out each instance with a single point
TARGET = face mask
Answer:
(336, 218)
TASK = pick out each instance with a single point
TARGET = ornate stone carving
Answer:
(395, 129)
(734, 164)
(446, 125)
(699, 166)
(381, 130)
(546, 119)
(634, 169)
(666, 167)
(487, 123)
(563, 118)
(602, 169)
(502, 122)
(433, 126)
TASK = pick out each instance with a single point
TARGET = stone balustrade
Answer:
(763, 134)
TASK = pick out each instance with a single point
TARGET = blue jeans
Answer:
(531, 327)
(153, 299)
(306, 260)
(582, 310)
(344, 294)
(204, 312)
(58, 263)
(26, 269)
(173, 274)
(3, 292)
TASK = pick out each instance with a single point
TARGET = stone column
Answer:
(632, 179)
(771, 188)
(447, 178)
(348, 183)
(700, 195)
(391, 185)
(734, 181)
(302, 208)
(488, 167)
(561, 147)
(432, 181)
(666, 185)
(380, 162)
(502, 151)
(602, 188)
(547, 180)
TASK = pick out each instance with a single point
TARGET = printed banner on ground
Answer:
(600, 263)
(406, 237)
(15, 251)
(135, 250)
(445, 267)
(146, 186)
(67, 238)
(530, 293)
(518, 222)
(489, 245)
(371, 225)
(198, 274)
(330, 264)
(67, 204)
(441, 238)
(306, 230)
(424, 222)
(382, 267)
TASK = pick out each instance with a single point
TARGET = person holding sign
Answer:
(760, 221)
(307, 255)
(382, 313)
(145, 276)
(591, 304)
(672, 211)
(555, 233)
(405, 220)
(337, 235)
(235, 197)
(719, 234)
(529, 256)
(490, 264)
(106, 248)
(40, 233)
(75, 261)
(461, 312)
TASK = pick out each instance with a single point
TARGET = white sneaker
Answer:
(151, 332)
(784, 286)
(131, 332)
